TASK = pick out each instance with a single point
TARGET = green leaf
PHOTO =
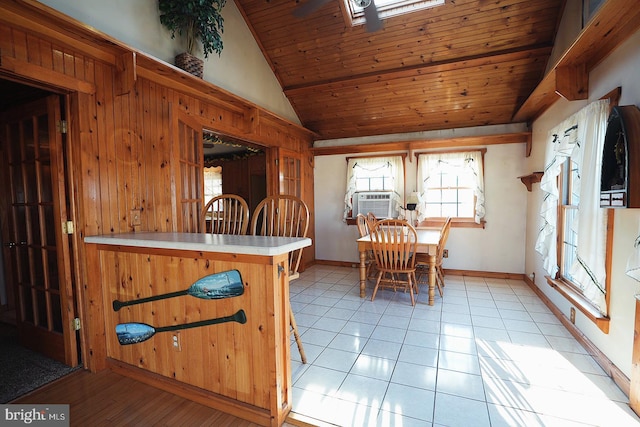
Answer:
(195, 20)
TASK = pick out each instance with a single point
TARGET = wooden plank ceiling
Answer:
(465, 63)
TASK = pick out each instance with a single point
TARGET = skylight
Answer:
(388, 8)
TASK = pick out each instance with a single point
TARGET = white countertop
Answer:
(224, 243)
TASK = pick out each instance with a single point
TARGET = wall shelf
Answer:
(613, 23)
(530, 179)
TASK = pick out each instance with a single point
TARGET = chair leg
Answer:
(375, 288)
(411, 278)
(439, 281)
(294, 326)
(440, 278)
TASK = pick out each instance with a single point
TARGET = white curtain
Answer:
(581, 137)
(212, 182)
(429, 165)
(391, 167)
(633, 262)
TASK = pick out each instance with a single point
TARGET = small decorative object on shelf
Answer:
(528, 180)
(195, 20)
(620, 175)
(190, 63)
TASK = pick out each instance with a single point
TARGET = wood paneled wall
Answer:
(126, 164)
(245, 362)
(121, 108)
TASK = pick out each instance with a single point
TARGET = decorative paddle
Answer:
(226, 284)
(133, 333)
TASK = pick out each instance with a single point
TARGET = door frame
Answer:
(75, 344)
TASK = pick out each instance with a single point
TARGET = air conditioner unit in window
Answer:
(380, 203)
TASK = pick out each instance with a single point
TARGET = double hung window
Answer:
(379, 173)
(574, 230)
(451, 185)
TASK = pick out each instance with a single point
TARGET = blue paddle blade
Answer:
(132, 333)
(216, 286)
(225, 284)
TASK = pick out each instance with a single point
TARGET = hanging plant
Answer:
(195, 20)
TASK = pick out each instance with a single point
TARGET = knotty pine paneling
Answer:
(375, 82)
(411, 39)
(229, 359)
(120, 134)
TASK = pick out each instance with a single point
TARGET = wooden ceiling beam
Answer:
(612, 24)
(572, 82)
(425, 144)
(418, 70)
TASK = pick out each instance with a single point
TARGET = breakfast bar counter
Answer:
(225, 345)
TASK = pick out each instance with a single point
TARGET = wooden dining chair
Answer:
(225, 214)
(285, 216)
(394, 245)
(363, 230)
(423, 263)
(371, 219)
(444, 235)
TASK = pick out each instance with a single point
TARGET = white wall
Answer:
(241, 68)
(619, 70)
(497, 248)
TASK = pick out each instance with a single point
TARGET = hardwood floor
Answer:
(110, 399)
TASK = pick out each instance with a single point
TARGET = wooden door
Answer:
(290, 182)
(290, 172)
(34, 210)
(188, 161)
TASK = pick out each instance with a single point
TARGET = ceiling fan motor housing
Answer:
(362, 3)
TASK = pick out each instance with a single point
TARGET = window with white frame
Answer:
(573, 232)
(212, 182)
(388, 8)
(380, 173)
(451, 185)
(569, 196)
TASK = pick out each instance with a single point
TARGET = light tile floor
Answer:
(489, 353)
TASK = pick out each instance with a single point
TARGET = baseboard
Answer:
(337, 263)
(468, 273)
(623, 382)
(488, 274)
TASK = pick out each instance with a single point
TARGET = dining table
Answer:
(427, 244)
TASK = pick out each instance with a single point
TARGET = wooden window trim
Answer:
(580, 302)
(455, 221)
(372, 156)
(568, 290)
(437, 222)
(351, 220)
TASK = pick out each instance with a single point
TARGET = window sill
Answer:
(581, 303)
(455, 222)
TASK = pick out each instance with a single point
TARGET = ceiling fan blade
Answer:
(373, 21)
(309, 7)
